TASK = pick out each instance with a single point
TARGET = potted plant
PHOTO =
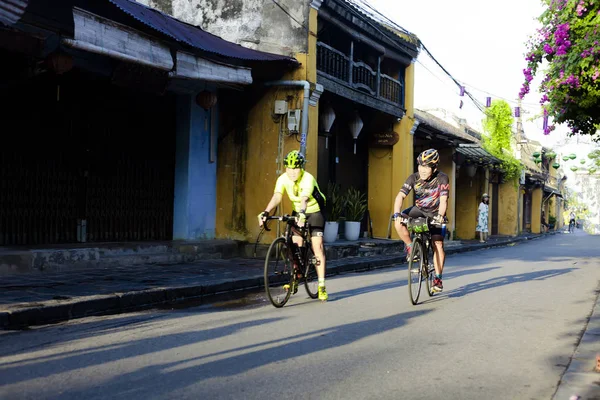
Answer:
(355, 204)
(551, 222)
(333, 212)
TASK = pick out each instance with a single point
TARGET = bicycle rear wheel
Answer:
(279, 272)
(311, 280)
(415, 271)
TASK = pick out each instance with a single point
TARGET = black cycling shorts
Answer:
(416, 212)
(316, 221)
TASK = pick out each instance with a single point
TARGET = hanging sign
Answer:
(389, 138)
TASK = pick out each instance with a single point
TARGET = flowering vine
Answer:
(568, 48)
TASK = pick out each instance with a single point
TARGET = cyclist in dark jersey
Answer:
(431, 200)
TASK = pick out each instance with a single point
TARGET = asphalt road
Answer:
(504, 328)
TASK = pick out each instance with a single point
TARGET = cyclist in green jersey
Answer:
(303, 191)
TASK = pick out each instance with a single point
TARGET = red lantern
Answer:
(206, 99)
(60, 62)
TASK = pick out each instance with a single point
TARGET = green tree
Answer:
(569, 44)
(497, 125)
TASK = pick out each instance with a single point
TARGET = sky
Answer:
(483, 45)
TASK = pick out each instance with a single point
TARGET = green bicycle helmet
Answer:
(294, 159)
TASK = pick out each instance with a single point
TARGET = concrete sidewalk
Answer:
(50, 297)
(581, 380)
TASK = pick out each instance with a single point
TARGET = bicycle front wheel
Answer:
(279, 273)
(429, 270)
(311, 281)
(415, 271)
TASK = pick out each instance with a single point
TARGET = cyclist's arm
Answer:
(275, 200)
(443, 205)
(398, 203)
(404, 191)
(444, 193)
(303, 203)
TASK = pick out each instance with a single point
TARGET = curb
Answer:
(580, 378)
(55, 311)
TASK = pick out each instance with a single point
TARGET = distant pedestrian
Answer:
(482, 218)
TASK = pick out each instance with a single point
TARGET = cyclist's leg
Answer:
(439, 254)
(403, 230)
(297, 239)
(317, 225)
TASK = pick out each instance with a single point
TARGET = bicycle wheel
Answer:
(429, 271)
(279, 273)
(311, 280)
(415, 271)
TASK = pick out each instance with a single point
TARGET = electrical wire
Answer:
(292, 17)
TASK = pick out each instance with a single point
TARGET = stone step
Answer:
(114, 254)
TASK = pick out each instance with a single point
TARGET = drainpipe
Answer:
(304, 122)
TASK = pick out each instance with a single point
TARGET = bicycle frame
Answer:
(290, 230)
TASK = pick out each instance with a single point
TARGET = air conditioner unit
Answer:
(294, 120)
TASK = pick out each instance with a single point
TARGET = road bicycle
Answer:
(420, 264)
(287, 265)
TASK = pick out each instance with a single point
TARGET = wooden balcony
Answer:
(339, 67)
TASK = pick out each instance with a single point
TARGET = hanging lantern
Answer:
(572, 156)
(356, 126)
(537, 154)
(556, 165)
(461, 104)
(592, 170)
(488, 102)
(206, 99)
(574, 168)
(550, 155)
(327, 118)
(537, 160)
(517, 112)
(566, 158)
(60, 63)
(471, 170)
(462, 91)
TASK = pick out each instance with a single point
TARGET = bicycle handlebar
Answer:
(282, 218)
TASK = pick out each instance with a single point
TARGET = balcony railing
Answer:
(357, 74)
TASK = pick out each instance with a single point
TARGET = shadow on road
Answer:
(507, 280)
(163, 379)
(337, 296)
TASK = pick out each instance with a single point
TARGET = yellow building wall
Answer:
(467, 203)
(263, 158)
(536, 210)
(381, 193)
(387, 174)
(508, 208)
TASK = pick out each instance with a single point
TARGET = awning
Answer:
(446, 130)
(192, 35)
(102, 36)
(552, 192)
(477, 154)
(11, 11)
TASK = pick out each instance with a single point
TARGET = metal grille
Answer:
(100, 154)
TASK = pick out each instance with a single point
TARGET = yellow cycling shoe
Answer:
(286, 287)
(323, 293)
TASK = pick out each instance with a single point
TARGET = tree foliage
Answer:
(569, 42)
(497, 124)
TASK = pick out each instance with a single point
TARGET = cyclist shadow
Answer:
(337, 296)
(507, 280)
(172, 376)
